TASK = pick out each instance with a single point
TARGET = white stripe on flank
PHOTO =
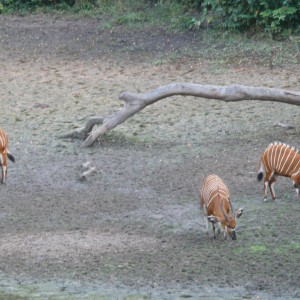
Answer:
(213, 186)
(296, 168)
(278, 159)
(2, 142)
(275, 150)
(287, 170)
(287, 157)
(268, 168)
(282, 158)
(211, 199)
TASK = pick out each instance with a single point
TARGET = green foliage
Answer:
(274, 16)
(130, 18)
(33, 5)
(280, 18)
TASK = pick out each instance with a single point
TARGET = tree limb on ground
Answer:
(135, 102)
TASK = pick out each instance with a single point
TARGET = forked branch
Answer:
(135, 102)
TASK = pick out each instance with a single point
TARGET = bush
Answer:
(274, 16)
(34, 4)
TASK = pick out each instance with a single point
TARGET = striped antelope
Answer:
(216, 205)
(279, 160)
(4, 154)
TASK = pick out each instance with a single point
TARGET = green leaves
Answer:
(275, 16)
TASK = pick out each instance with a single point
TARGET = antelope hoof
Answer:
(265, 200)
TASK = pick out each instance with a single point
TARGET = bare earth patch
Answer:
(134, 228)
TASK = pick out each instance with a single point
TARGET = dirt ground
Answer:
(134, 230)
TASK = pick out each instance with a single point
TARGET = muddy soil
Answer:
(134, 230)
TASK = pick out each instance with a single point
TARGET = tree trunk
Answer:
(135, 102)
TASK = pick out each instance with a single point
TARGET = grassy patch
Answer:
(283, 249)
(273, 235)
(119, 138)
(5, 296)
(258, 248)
(239, 49)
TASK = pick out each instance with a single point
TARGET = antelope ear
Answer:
(239, 212)
(213, 219)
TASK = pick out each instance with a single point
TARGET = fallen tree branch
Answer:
(82, 133)
(135, 102)
(284, 125)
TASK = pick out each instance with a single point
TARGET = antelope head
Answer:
(228, 223)
(296, 182)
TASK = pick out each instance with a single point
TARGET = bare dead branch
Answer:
(135, 102)
(82, 133)
(284, 125)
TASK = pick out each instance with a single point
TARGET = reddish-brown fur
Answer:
(4, 154)
(279, 160)
(215, 202)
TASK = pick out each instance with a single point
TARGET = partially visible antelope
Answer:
(216, 205)
(279, 160)
(4, 154)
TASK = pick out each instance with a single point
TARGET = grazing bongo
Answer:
(216, 205)
(279, 160)
(4, 154)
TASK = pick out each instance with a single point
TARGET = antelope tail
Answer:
(261, 169)
(11, 157)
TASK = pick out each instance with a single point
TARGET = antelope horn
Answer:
(231, 207)
(222, 208)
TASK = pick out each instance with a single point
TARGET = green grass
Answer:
(260, 251)
(5, 296)
(258, 248)
(283, 249)
(115, 137)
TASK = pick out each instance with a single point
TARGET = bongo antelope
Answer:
(279, 160)
(4, 154)
(216, 205)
